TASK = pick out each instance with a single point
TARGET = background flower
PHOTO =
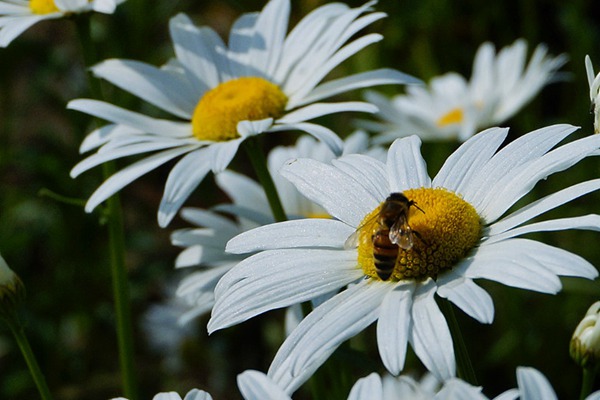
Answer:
(452, 108)
(18, 15)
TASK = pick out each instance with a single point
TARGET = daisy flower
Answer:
(204, 244)
(585, 343)
(18, 15)
(452, 108)
(262, 81)
(452, 230)
(193, 394)
(532, 385)
(594, 92)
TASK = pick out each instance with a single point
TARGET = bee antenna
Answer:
(414, 204)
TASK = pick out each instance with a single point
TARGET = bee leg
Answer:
(418, 235)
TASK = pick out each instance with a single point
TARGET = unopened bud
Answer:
(12, 290)
(585, 343)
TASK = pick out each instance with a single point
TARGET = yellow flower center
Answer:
(442, 228)
(454, 116)
(244, 99)
(43, 6)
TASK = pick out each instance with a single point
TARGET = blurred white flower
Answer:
(594, 92)
(18, 15)
(450, 108)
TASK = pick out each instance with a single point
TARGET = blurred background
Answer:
(61, 253)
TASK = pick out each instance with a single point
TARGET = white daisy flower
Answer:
(262, 81)
(16, 16)
(532, 385)
(452, 108)
(193, 394)
(451, 230)
(585, 342)
(204, 245)
(373, 387)
(594, 92)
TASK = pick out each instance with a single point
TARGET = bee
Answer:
(391, 233)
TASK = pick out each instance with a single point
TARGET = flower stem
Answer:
(463, 362)
(38, 377)
(259, 163)
(116, 237)
(589, 374)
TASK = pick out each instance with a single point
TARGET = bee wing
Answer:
(352, 241)
(401, 234)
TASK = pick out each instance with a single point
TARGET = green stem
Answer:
(259, 163)
(116, 237)
(36, 373)
(589, 374)
(463, 362)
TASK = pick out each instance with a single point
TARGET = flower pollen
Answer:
(244, 99)
(444, 229)
(43, 7)
(454, 116)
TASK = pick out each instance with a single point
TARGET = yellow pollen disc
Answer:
(322, 215)
(244, 99)
(454, 116)
(43, 6)
(442, 234)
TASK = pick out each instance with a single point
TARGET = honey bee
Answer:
(391, 232)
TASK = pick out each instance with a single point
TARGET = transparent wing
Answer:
(401, 234)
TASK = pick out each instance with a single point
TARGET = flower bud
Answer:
(12, 290)
(585, 343)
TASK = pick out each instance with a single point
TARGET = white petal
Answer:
(340, 195)
(241, 35)
(585, 222)
(200, 51)
(393, 327)
(455, 389)
(255, 385)
(367, 388)
(163, 88)
(270, 29)
(131, 119)
(104, 6)
(521, 150)
(316, 110)
(336, 59)
(243, 190)
(533, 385)
(430, 337)
(183, 179)
(369, 171)
(146, 146)
(221, 154)
(321, 133)
(383, 76)
(516, 263)
(542, 205)
(9, 31)
(303, 36)
(278, 278)
(323, 330)
(467, 296)
(210, 219)
(468, 159)
(127, 175)
(104, 134)
(406, 167)
(252, 128)
(311, 232)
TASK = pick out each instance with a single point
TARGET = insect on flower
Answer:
(391, 232)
